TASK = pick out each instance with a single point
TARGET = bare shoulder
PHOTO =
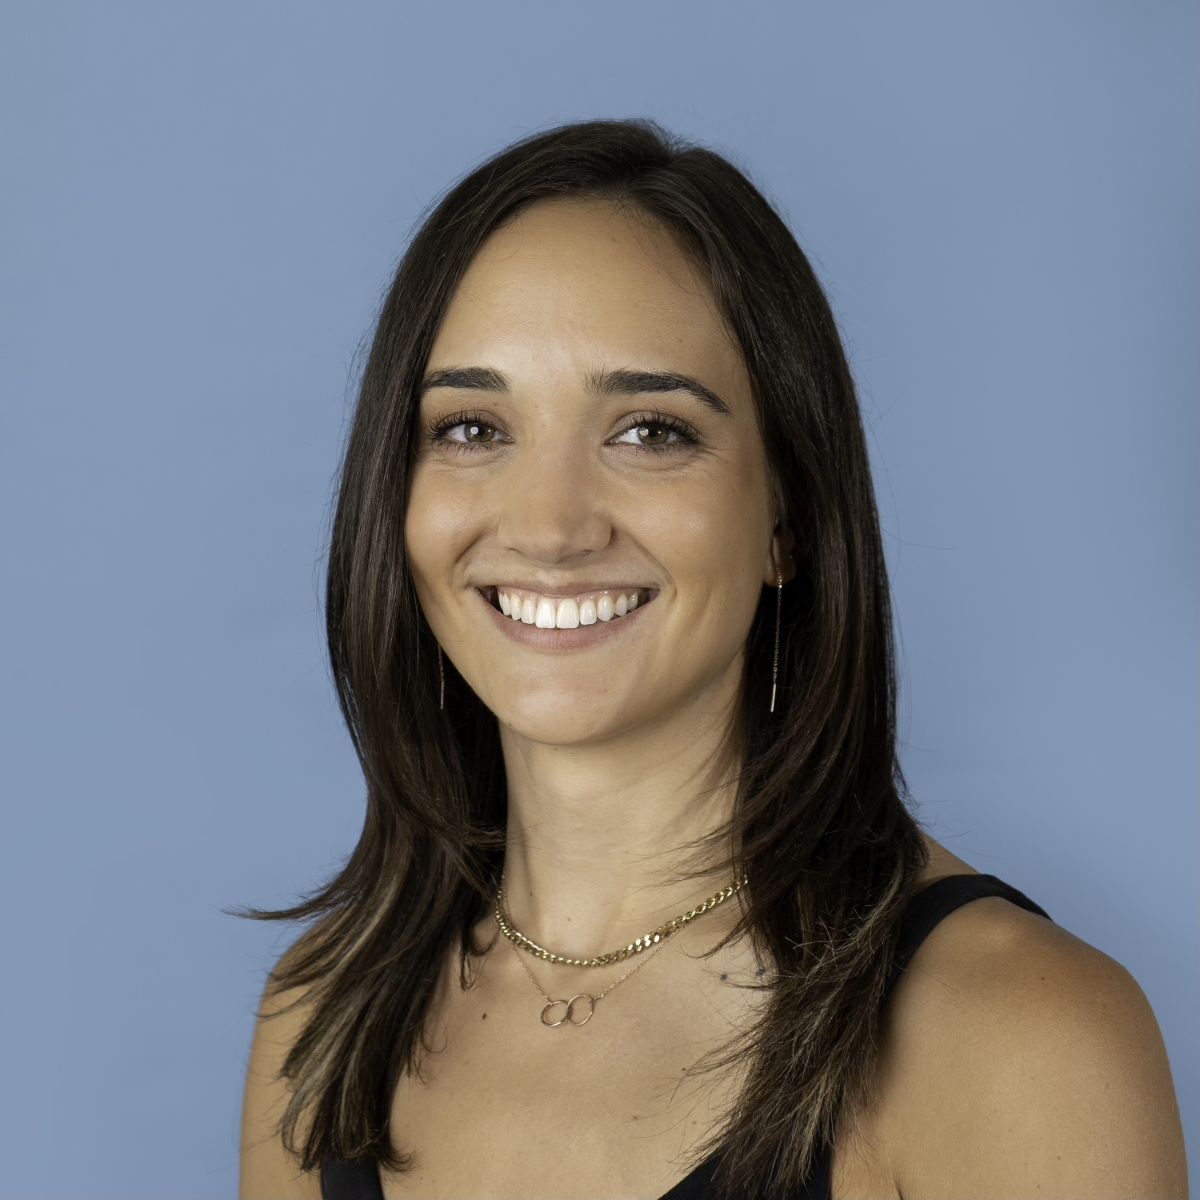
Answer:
(267, 1171)
(1019, 1060)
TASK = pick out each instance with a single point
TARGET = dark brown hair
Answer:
(820, 823)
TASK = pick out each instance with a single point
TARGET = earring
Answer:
(778, 609)
(441, 681)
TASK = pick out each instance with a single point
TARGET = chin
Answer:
(560, 718)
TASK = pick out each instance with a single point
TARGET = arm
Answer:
(268, 1172)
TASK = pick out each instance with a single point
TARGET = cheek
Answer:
(714, 528)
(434, 529)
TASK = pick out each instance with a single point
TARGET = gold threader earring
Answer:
(441, 681)
(778, 609)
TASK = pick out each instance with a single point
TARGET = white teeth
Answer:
(550, 612)
(570, 612)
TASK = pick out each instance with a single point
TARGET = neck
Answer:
(597, 832)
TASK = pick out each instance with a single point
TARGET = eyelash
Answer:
(436, 433)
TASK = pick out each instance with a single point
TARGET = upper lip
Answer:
(564, 592)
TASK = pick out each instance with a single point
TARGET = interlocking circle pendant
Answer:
(569, 1010)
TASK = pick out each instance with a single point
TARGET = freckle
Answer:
(723, 975)
(485, 1016)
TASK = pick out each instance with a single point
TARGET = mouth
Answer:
(556, 611)
(565, 622)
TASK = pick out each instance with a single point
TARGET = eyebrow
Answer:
(618, 382)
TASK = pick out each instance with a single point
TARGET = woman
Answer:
(637, 901)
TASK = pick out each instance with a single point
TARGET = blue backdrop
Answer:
(202, 206)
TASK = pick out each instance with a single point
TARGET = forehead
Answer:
(569, 285)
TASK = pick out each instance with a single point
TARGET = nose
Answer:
(553, 508)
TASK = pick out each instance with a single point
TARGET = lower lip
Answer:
(563, 639)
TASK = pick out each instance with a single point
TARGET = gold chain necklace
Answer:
(660, 934)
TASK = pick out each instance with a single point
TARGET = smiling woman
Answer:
(637, 902)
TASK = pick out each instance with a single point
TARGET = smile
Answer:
(567, 612)
(565, 622)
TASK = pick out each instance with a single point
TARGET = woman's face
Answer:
(550, 479)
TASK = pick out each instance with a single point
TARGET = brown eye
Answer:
(475, 431)
(463, 431)
(646, 433)
(660, 433)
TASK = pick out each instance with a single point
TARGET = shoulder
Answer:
(1019, 1060)
(267, 1170)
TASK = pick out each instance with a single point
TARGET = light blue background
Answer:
(202, 206)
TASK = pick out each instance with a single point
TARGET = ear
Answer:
(780, 558)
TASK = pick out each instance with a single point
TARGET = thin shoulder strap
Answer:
(342, 1180)
(936, 900)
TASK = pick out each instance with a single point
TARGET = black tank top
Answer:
(926, 907)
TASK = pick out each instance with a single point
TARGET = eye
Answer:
(463, 432)
(658, 432)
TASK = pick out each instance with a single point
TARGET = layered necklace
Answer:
(563, 1011)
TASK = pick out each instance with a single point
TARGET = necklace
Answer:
(660, 934)
(568, 1013)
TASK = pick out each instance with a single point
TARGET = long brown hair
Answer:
(820, 823)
